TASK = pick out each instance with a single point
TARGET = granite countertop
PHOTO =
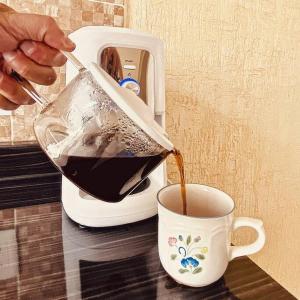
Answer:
(44, 255)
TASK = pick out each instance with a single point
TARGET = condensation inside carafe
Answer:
(104, 152)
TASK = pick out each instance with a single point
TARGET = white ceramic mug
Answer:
(195, 249)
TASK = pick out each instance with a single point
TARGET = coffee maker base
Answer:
(88, 211)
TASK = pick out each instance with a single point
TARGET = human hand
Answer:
(30, 46)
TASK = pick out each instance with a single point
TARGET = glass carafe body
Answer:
(94, 143)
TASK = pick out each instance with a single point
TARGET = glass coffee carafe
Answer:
(100, 135)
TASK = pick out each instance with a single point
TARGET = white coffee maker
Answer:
(136, 61)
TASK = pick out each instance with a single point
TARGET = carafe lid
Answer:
(132, 106)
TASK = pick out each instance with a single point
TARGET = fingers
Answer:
(11, 93)
(38, 28)
(5, 8)
(5, 104)
(43, 54)
(28, 69)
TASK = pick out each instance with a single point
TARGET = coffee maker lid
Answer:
(132, 106)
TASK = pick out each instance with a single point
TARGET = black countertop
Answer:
(27, 177)
(44, 255)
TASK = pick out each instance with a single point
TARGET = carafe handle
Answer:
(30, 90)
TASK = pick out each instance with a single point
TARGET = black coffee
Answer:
(110, 178)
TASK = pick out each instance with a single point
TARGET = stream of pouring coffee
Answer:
(180, 165)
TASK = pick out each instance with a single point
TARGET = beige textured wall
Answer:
(70, 15)
(233, 101)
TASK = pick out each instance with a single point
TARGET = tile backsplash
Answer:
(70, 15)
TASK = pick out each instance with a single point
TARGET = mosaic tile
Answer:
(7, 217)
(5, 129)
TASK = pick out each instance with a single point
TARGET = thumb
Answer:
(37, 28)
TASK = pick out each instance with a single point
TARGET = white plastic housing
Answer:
(86, 210)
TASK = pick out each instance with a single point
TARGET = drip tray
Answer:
(141, 187)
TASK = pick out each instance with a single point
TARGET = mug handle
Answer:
(236, 251)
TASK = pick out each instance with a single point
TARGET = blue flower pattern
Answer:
(189, 258)
(185, 262)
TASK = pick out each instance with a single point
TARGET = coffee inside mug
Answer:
(202, 201)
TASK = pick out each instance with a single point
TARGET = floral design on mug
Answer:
(189, 254)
